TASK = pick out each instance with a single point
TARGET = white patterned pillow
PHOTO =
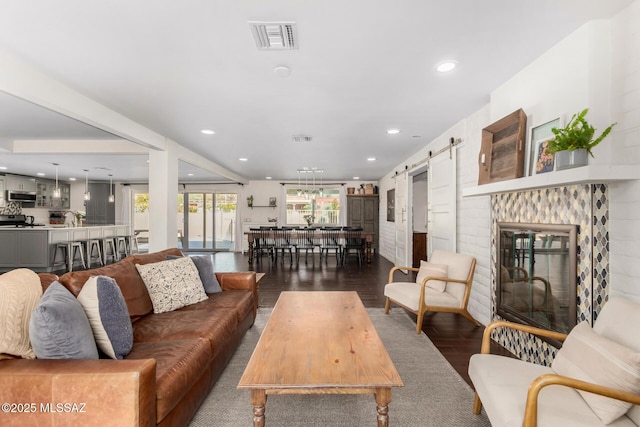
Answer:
(172, 284)
(590, 357)
(428, 269)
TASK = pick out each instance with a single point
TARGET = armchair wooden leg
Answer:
(477, 404)
(419, 322)
(387, 306)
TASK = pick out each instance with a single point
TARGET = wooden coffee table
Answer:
(319, 343)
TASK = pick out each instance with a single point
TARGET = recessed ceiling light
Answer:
(243, 159)
(282, 71)
(356, 177)
(72, 179)
(189, 174)
(4, 168)
(446, 66)
(371, 159)
(393, 131)
(267, 177)
(207, 131)
(40, 174)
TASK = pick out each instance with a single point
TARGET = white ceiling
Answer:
(362, 67)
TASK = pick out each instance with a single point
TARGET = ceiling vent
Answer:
(301, 138)
(274, 35)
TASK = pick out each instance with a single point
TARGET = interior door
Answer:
(441, 202)
(401, 221)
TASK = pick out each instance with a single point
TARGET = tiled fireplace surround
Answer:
(585, 205)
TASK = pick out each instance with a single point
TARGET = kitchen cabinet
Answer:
(44, 194)
(362, 211)
(20, 183)
(24, 248)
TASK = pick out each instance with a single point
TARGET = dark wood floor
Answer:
(455, 337)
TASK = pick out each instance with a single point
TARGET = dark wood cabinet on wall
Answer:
(362, 211)
(419, 248)
(99, 210)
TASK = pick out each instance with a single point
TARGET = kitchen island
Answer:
(34, 247)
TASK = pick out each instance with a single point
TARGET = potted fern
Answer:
(572, 143)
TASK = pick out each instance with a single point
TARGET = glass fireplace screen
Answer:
(537, 274)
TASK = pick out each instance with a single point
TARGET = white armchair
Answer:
(443, 284)
(592, 363)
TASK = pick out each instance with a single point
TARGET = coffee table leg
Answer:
(383, 397)
(258, 400)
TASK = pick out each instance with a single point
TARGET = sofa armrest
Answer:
(78, 392)
(486, 336)
(240, 281)
(531, 406)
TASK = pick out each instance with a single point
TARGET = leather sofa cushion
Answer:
(214, 325)
(240, 301)
(126, 276)
(180, 364)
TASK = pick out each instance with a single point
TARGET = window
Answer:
(323, 208)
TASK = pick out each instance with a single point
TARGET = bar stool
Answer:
(109, 250)
(132, 241)
(92, 247)
(70, 251)
(122, 248)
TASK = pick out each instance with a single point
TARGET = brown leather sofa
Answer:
(175, 360)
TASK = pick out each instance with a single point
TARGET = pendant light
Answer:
(87, 195)
(56, 191)
(112, 198)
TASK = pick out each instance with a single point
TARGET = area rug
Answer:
(433, 394)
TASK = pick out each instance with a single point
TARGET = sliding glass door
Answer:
(209, 221)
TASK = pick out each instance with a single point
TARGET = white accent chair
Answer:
(603, 360)
(420, 297)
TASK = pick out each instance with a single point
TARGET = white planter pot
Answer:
(571, 159)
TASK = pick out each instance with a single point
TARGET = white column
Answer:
(163, 196)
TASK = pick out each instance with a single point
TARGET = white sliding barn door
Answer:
(402, 224)
(441, 202)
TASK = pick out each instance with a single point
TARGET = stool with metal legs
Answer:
(93, 252)
(122, 248)
(109, 250)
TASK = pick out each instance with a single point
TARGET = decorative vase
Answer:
(568, 159)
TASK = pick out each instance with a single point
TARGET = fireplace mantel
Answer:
(592, 174)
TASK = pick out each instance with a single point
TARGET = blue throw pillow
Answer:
(59, 328)
(204, 264)
(108, 316)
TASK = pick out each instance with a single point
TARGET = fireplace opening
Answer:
(537, 274)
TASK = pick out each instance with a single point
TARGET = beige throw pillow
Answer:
(20, 292)
(590, 357)
(172, 284)
(428, 269)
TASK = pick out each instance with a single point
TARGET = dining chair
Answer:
(282, 243)
(353, 244)
(330, 242)
(261, 243)
(306, 241)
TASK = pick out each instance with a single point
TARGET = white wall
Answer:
(624, 204)
(598, 66)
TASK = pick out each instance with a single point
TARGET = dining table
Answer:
(367, 237)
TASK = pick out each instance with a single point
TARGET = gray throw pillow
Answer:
(108, 316)
(204, 264)
(59, 328)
